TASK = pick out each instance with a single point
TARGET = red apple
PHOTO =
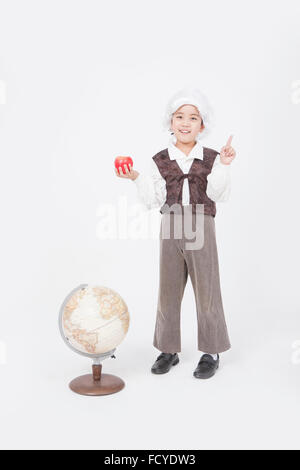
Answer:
(122, 161)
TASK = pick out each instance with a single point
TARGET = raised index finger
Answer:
(228, 143)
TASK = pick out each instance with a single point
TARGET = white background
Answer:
(87, 81)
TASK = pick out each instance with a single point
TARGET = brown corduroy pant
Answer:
(178, 259)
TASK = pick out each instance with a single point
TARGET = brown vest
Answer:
(197, 178)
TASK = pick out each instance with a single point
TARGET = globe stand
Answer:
(97, 384)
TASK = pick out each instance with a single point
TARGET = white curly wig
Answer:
(190, 96)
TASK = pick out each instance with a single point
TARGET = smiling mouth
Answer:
(185, 132)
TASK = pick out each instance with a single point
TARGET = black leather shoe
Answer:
(164, 362)
(206, 367)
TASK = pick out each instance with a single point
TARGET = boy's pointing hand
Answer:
(227, 153)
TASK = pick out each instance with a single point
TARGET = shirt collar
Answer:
(176, 154)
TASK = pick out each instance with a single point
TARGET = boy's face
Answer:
(186, 118)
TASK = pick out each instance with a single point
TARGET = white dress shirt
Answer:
(152, 189)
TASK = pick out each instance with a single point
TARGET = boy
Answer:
(191, 177)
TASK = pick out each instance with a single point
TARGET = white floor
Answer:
(253, 402)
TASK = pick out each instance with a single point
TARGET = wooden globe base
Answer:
(97, 384)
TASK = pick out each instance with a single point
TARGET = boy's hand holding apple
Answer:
(123, 168)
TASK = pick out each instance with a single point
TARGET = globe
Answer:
(93, 321)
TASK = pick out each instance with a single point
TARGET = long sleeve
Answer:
(151, 188)
(219, 182)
